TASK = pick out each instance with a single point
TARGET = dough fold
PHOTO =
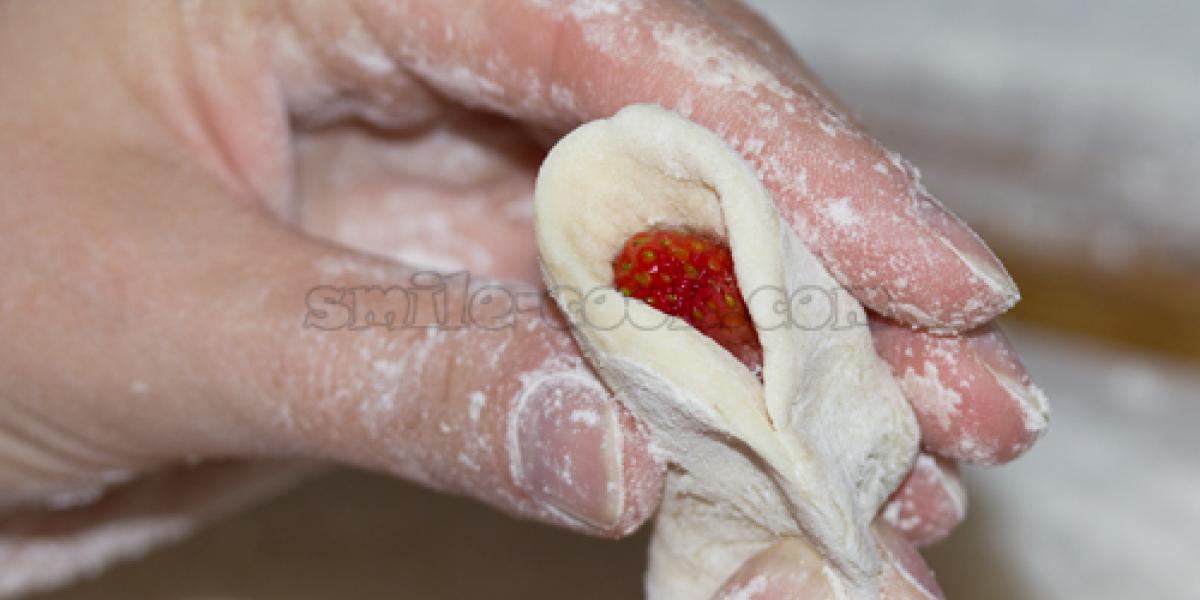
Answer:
(811, 451)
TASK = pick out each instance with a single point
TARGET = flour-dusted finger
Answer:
(236, 336)
(972, 396)
(468, 386)
(929, 503)
(789, 570)
(554, 65)
(905, 574)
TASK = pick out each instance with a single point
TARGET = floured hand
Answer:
(151, 248)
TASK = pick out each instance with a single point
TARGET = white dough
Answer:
(815, 449)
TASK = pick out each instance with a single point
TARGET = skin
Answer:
(179, 176)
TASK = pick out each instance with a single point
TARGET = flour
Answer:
(475, 402)
(714, 64)
(586, 9)
(839, 211)
(933, 398)
(366, 54)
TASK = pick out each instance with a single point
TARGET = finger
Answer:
(973, 398)
(497, 406)
(860, 207)
(791, 569)
(787, 569)
(455, 196)
(929, 503)
(774, 49)
(199, 335)
(905, 574)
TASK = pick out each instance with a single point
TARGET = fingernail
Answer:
(907, 563)
(788, 569)
(1001, 291)
(567, 443)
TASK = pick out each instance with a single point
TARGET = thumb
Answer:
(465, 385)
(209, 330)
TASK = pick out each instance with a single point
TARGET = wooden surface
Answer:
(1148, 305)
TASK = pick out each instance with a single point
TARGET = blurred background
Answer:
(1067, 133)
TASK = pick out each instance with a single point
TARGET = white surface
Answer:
(1107, 506)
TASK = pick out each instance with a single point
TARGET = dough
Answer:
(811, 451)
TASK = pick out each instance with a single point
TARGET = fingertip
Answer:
(972, 397)
(905, 574)
(929, 503)
(977, 287)
(893, 245)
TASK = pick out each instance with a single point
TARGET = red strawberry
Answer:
(690, 276)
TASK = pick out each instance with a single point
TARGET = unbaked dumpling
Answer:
(815, 448)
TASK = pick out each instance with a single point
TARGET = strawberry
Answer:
(690, 276)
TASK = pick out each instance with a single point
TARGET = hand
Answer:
(159, 160)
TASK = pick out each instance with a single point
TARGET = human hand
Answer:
(157, 283)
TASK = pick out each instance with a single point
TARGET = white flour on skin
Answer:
(427, 202)
(898, 513)
(466, 452)
(714, 63)
(1034, 406)
(339, 266)
(937, 388)
(683, 106)
(498, 84)
(424, 242)
(476, 402)
(557, 376)
(585, 417)
(364, 51)
(87, 494)
(606, 24)
(563, 99)
(840, 213)
(585, 9)
(947, 505)
(926, 392)
(882, 288)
